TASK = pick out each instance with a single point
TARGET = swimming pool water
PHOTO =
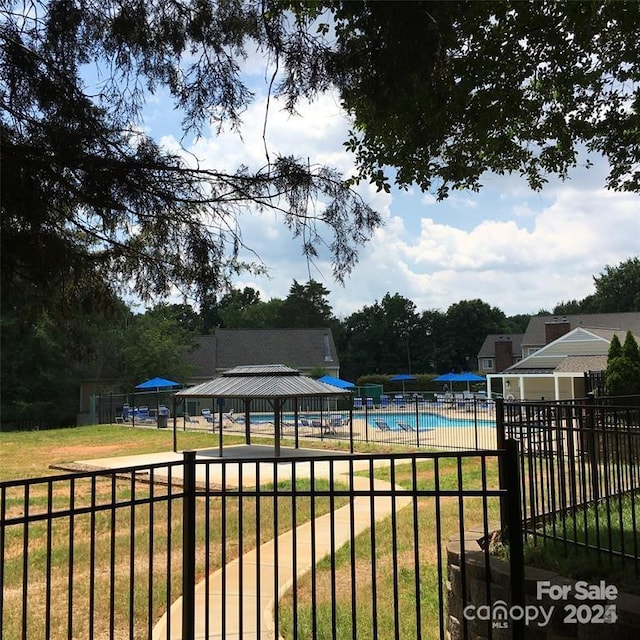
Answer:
(426, 420)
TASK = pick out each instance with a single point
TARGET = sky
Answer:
(515, 249)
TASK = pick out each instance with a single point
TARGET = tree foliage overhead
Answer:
(440, 91)
(84, 187)
(444, 91)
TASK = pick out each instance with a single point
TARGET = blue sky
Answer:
(513, 248)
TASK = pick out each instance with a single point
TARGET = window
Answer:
(487, 364)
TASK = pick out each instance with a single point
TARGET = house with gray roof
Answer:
(542, 330)
(559, 351)
(499, 351)
(302, 349)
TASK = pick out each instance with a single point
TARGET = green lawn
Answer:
(29, 454)
(610, 524)
(392, 580)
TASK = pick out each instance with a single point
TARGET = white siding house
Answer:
(556, 371)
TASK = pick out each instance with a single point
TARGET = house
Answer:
(542, 330)
(499, 351)
(558, 352)
(303, 349)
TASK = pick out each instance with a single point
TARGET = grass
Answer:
(392, 579)
(98, 564)
(609, 524)
(28, 454)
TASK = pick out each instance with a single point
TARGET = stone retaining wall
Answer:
(558, 612)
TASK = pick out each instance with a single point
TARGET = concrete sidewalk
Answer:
(249, 590)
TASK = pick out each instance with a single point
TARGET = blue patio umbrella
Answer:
(447, 377)
(157, 384)
(469, 376)
(402, 377)
(336, 382)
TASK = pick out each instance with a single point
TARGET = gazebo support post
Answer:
(220, 431)
(247, 420)
(277, 413)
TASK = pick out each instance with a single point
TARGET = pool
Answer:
(426, 420)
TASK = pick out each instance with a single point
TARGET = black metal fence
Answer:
(316, 546)
(458, 424)
(580, 475)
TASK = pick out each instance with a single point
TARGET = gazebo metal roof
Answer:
(273, 382)
(261, 382)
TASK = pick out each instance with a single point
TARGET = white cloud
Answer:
(514, 249)
(517, 269)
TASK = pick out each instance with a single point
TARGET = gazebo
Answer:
(275, 383)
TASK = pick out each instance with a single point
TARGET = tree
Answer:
(84, 187)
(617, 291)
(518, 323)
(264, 314)
(427, 82)
(49, 343)
(467, 323)
(364, 335)
(434, 349)
(182, 315)
(306, 307)
(618, 288)
(155, 345)
(234, 305)
(615, 348)
(630, 351)
(622, 376)
(401, 326)
(385, 337)
(245, 310)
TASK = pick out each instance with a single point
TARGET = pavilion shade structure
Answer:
(275, 383)
(254, 387)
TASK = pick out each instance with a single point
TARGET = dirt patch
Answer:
(74, 467)
(86, 451)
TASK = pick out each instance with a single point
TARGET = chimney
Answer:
(553, 330)
(326, 348)
(503, 350)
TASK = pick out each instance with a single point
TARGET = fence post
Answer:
(475, 421)
(514, 533)
(189, 546)
(593, 439)
(501, 444)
